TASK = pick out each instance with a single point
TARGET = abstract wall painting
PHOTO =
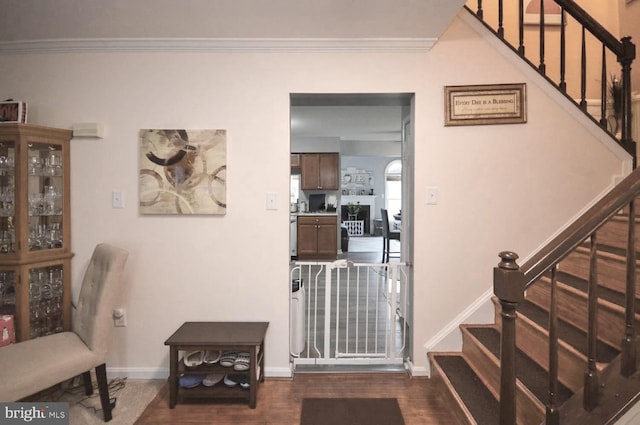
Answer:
(183, 172)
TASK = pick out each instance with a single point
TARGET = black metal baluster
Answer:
(521, 27)
(563, 53)
(590, 400)
(628, 366)
(603, 89)
(627, 57)
(542, 67)
(553, 414)
(480, 12)
(583, 73)
(500, 19)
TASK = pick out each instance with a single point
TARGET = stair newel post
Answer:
(553, 414)
(628, 366)
(591, 383)
(508, 286)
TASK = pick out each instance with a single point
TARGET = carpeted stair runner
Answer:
(531, 374)
(479, 401)
(568, 333)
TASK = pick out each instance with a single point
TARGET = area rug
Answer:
(351, 411)
(131, 396)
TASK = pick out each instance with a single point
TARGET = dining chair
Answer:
(37, 364)
(387, 236)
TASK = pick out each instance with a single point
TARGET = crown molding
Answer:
(101, 45)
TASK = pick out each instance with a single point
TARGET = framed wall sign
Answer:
(485, 104)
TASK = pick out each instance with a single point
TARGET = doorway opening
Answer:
(371, 135)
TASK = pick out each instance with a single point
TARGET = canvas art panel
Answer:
(183, 172)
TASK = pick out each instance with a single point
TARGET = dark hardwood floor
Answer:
(280, 401)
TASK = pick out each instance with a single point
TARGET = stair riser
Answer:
(611, 271)
(614, 233)
(529, 410)
(453, 403)
(573, 308)
(534, 341)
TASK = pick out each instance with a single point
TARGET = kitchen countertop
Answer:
(335, 213)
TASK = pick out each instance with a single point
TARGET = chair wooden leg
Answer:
(86, 380)
(103, 389)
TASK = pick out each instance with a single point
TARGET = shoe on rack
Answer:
(212, 379)
(191, 381)
(211, 356)
(193, 358)
(242, 362)
(234, 379)
(228, 358)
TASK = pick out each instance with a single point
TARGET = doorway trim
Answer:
(406, 142)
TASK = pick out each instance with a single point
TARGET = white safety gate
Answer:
(348, 313)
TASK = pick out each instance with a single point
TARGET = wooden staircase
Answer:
(471, 378)
(563, 346)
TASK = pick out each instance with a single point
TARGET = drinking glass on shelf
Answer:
(53, 165)
(35, 166)
(35, 204)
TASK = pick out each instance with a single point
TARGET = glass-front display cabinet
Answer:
(35, 251)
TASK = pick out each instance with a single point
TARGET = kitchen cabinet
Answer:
(317, 237)
(35, 249)
(320, 171)
(295, 161)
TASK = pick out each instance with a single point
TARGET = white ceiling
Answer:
(86, 19)
(348, 117)
(352, 118)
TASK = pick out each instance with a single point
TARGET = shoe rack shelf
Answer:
(220, 336)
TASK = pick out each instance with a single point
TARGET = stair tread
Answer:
(474, 394)
(530, 373)
(575, 337)
(604, 293)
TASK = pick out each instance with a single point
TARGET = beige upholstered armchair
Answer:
(37, 364)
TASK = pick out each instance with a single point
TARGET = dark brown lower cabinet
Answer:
(317, 237)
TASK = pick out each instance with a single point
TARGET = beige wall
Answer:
(501, 187)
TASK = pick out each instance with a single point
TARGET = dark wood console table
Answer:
(223, 336)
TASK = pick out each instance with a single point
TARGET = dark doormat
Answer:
(351, 411)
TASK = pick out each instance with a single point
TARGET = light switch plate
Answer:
(432, 195)
(272, 201)
(117, 199)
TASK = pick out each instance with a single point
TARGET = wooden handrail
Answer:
(618, 198)
(593, 26)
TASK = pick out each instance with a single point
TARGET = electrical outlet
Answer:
(119, 317)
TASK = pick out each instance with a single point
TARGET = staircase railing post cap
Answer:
(508, 280)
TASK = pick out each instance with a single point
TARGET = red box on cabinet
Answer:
(7, 330)
(13, 112)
